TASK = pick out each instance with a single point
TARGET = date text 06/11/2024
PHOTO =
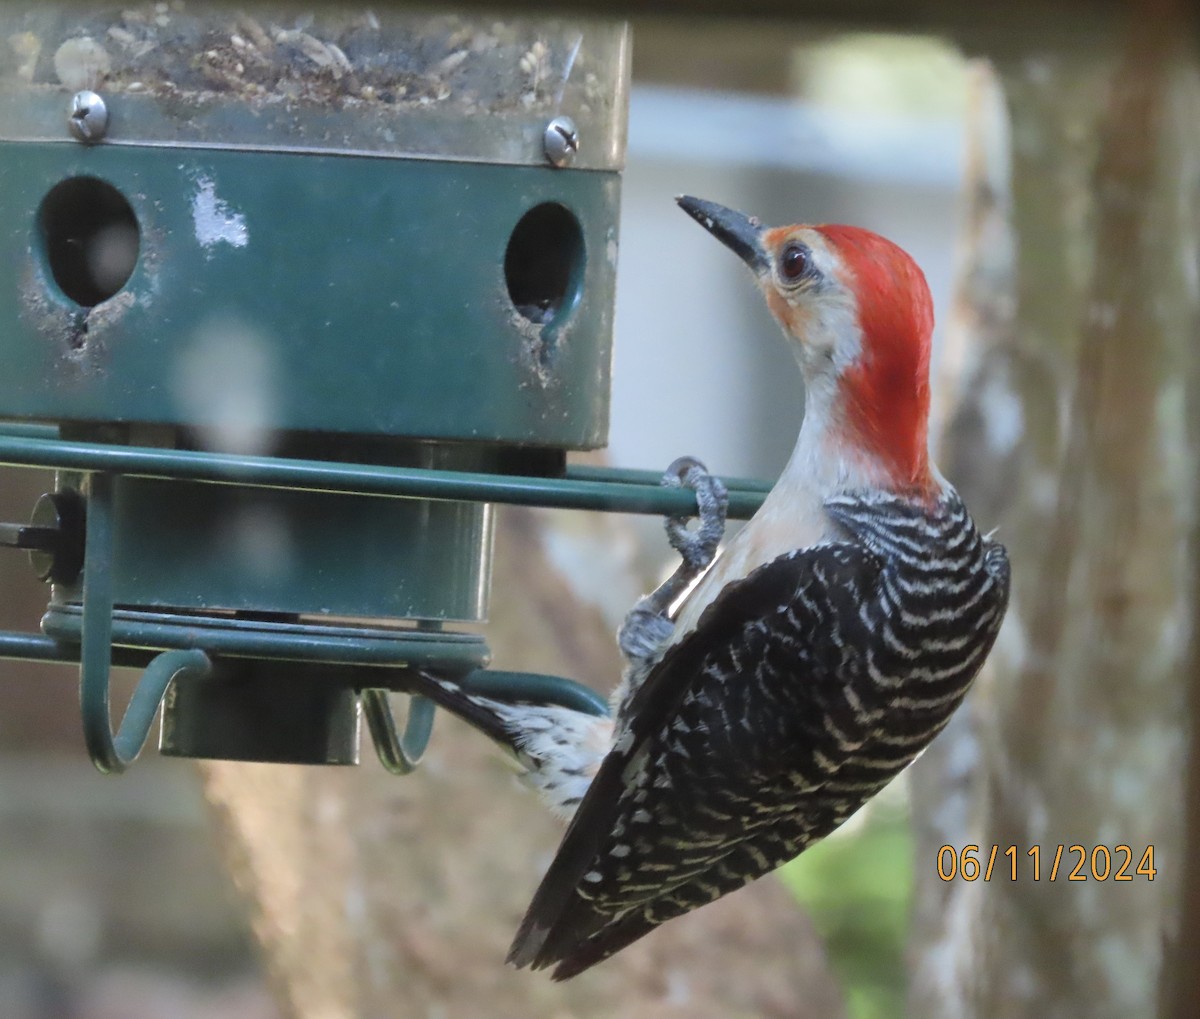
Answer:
(1054, 863)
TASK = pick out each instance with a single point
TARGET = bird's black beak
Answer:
(741, 233)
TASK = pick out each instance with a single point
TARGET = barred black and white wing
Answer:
(753, 698)
(804, 688)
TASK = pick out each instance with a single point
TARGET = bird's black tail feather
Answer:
(575, 952)
(602, 945)
(479, 712)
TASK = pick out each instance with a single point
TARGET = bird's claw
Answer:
(697, 548)
(644, 630)
(648, 625)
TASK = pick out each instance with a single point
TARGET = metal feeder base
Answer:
(280, 712)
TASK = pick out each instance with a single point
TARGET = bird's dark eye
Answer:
(794, 262)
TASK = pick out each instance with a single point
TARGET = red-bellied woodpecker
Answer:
(810, 663)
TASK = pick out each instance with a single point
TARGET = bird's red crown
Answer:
(886, 391)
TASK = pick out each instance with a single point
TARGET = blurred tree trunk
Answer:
(1183, 984)
(1070, 436)
(375, 896)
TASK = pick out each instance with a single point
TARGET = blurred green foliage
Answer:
(857, 887)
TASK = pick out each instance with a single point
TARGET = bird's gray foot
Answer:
(648, 625)
(645, 629)
(697, 548)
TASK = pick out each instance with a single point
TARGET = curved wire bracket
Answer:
(535, 688)
(398, 754)
(113, 754)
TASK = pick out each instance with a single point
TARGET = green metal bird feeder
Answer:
(290, 298)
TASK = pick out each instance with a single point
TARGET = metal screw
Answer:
(561, 141)
(89, 116)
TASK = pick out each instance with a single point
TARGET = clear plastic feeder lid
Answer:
(335, 78)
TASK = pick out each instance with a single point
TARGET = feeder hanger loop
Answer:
(113, 754)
